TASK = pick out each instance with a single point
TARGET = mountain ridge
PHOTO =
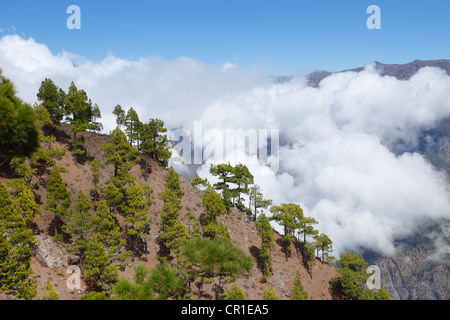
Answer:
(399, 71)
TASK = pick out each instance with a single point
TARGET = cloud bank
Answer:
(342, 145)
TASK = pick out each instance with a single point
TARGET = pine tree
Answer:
(305, 226)
(19, 130)
(7, 265)
(269, 294)
(96, 114)
(235, 293)
(159, 283)
(50, 292)
(5, 199)
(165, 282)
(382, 294)
(16, 244)
(95, 296)
(113, 196)
(214, 207)
(242, 178)
(122, 155)
(135, 212)
(287, 215)
(154, 141)
(80, 114)
(46, 154)
(99, 272)
(146, 145)
(52, 99)
(173, 182)
(120, 116)
(309, 257)
(257, 201)
(24, 171)
(80, 225)
(197, 181)
(298, 292)
(353, 278)
(216, 258)
(224, 172)
(266, 233)
(174, 235)
(25, 205)
(124, 289)
(58, 198)
(106, 231)
(214, 230)
(132, 125)
(324, 243)
(43, 117)
(95, 170)
(169, 215)
(193, 225)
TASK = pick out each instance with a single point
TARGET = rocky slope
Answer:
(51, 261)
(415, 275)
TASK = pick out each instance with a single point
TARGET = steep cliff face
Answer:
(420, 270)
(415, 275)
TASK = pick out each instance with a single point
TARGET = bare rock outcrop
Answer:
(51, 254)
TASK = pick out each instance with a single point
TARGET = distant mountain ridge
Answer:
(400, 71)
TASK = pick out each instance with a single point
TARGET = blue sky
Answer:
(282, 37)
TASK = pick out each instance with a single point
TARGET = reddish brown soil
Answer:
(241, 229)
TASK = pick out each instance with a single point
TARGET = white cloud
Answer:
(336, 158)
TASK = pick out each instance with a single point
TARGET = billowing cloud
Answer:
(344, 146)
